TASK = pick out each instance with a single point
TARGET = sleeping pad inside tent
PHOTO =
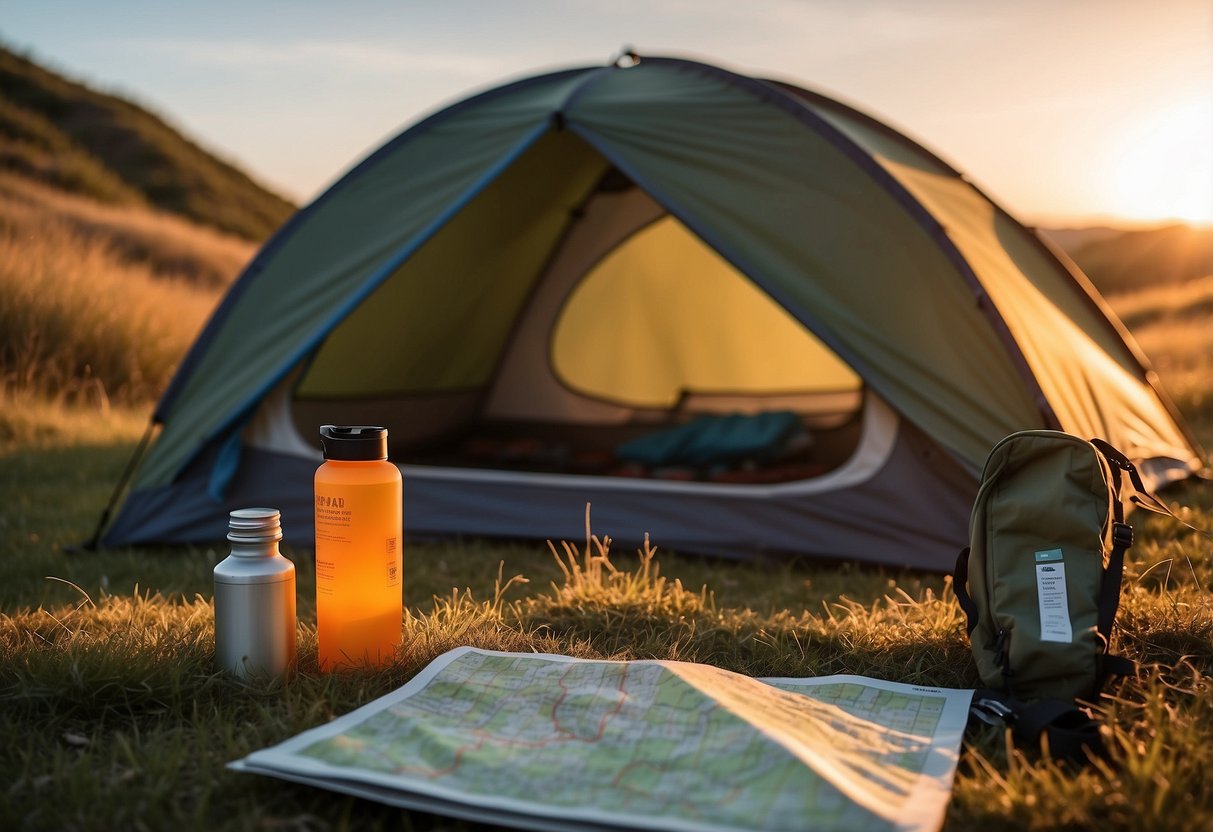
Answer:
(731, 313)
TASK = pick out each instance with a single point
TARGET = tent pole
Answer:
(93, 542)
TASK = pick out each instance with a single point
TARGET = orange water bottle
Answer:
(359, 505)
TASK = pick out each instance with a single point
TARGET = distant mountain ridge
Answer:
(67, 135)
(1119, 260)
(1071, 239)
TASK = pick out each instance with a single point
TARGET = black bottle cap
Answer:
(354, 442)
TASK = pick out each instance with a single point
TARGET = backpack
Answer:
(1040, 582)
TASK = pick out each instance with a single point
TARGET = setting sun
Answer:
(1161, 166)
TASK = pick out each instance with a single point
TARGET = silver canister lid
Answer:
(254, 525)
(254, 559)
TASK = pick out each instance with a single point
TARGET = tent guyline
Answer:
(729, 312)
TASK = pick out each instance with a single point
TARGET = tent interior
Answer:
(563, 321)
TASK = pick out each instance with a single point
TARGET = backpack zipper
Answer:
(1002, 657)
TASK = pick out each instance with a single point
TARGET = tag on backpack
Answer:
(1051, 592)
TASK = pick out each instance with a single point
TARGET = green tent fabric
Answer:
(337, 252)
(408, 279)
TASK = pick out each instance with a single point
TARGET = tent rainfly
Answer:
(730, 312)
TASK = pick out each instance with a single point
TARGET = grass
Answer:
(1172, 325)
(111, 712)
(112, 715)
(84, 290)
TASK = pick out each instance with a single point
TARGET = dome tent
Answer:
(577, 259)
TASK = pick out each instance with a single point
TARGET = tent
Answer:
(528, 283)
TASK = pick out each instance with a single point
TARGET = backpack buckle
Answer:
(991, 711)
(1122, 535)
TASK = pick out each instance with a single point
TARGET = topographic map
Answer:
(556, 743)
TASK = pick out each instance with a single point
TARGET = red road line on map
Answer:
(623, 695)
(483, 737)
(433, 773)
(623, 677)
(617, 780)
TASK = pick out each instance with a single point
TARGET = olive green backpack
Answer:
(1040, 582)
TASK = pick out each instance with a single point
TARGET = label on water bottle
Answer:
(350, 520)
(332, 527)
(393, 561)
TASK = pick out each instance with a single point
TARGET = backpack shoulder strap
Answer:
(1142, 498)
(1109, 590)
(1109, 601)
(960, 585)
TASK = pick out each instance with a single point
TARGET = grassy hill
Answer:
(77, 139)
(98, 302)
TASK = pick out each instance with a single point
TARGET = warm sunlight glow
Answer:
(1161, 166)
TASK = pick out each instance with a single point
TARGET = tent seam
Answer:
(366, 289)
(1065, 264)
(768, 92)
(742, 264)
(291, 226)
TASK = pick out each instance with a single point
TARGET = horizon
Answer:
(1069, 114)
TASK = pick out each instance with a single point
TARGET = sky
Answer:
(1068, 112)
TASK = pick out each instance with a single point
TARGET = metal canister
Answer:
(255, 598)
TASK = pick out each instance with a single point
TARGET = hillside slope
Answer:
(1127, 260)
(98, 302)
(77, 139)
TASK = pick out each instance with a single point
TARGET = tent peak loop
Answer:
(625, 57)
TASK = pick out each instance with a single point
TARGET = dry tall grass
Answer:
(99, 303)
(1173, 324)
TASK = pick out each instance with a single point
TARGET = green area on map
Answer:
(646, 739)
